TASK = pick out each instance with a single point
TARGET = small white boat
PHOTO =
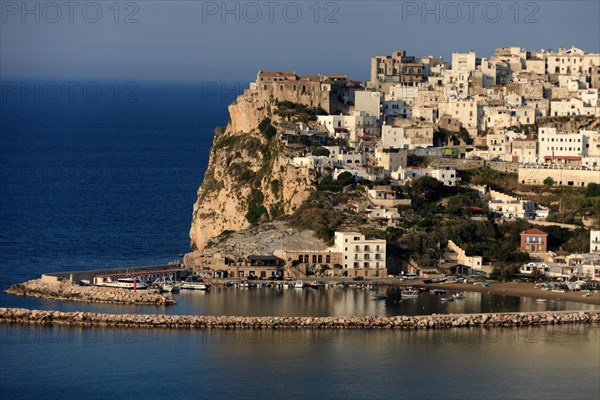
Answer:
(121, 283)
(447, 298)
(541, 300)
(299, 284)
(170, 288)
(409, 294)
(196, 286)
(458, 296)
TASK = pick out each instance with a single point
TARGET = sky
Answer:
(212, 41)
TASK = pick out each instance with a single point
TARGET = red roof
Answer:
(534, 231)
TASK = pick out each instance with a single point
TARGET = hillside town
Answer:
(529, 115)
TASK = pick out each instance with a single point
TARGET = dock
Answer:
(146, 274)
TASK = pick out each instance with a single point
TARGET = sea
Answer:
(92, 181)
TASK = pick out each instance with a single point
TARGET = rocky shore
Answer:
(95, 294)
(42, 317)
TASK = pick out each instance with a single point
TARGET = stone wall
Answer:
(94, 294)
(40, 317)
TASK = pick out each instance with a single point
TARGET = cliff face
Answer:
(248, 179)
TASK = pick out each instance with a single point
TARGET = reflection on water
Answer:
(542, 362)
(313, 302)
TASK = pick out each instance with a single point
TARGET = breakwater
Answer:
(94, 294)
(42, 317)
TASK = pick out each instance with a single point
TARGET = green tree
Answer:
(345, 178)
(593, 190)
(549, 181)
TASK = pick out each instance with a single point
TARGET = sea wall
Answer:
(40, 317)
(94, 294)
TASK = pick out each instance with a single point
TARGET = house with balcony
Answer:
(361, 256)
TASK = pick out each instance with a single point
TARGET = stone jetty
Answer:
(43, 317)
(95, 294)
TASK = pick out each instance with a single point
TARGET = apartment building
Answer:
(362, 256)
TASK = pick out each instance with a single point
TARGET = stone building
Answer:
(330, 92)
(387, 71)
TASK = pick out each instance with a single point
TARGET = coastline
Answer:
(521, 289)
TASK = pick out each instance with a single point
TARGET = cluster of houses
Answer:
(485, 101)
(546, 264)
(354, 254)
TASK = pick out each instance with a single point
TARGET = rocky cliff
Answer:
(249, 179)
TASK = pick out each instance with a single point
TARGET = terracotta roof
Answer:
(274, 74)
(534, 231)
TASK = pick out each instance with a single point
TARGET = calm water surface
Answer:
(94, 185)
(538, 363)
(311, 302)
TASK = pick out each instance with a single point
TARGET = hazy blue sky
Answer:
(187, 40)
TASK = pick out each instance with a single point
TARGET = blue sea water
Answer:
(88, 185)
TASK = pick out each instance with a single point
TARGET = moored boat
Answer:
(299, 284)
(196, 286)
(458, 296)
(541, 300)
(410, 294)
(121, 283)
(447, 299)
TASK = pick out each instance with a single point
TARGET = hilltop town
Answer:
(485, 166)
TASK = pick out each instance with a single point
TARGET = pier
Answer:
(145, 274)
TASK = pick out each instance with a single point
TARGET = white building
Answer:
(390, 158)
(595, 242)
(446, 175)
(361, 256)
(510, 207)
(464, 61)
(406, 136)
(556, 146)
(369, 102)
(350, 127)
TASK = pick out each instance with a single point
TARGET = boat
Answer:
(447, 298)
(541, 300)
(299, 284)
(122, 283)
(196, 286)
(315, 285)
(458, 296)
(380, 296)
(410, 294)
(438, 291)
(586, 295)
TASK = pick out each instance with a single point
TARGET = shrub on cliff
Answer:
(256, 208)
(267, 129)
